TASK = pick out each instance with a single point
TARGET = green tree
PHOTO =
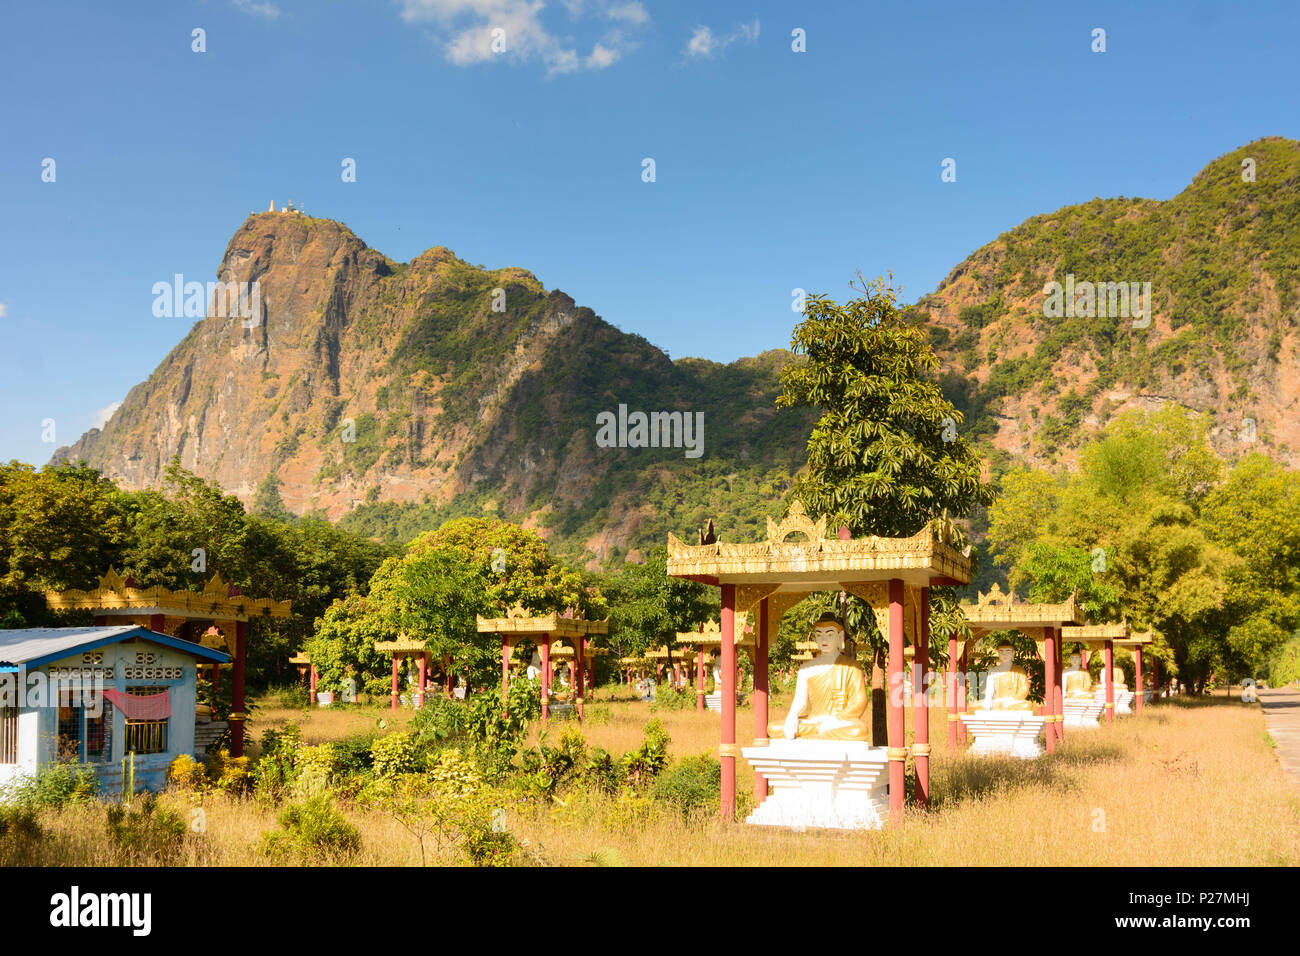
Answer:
(647, 608)
(886, 455)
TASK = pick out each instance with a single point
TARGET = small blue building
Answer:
(93, 695)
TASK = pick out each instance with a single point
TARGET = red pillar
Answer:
(505, 667)
(727, 749)
(699, 679)
(897, 733)
(424, 676)
(156, 623)
(312, 701)
(761, 681)
(961, 693)
(395, 690)
(1049, 686)
(921, 704)
(579, 678)
(950, 692)
(237, 691)
(1060, 685)
(1108, 663)
(1137, 659)
(546, 678)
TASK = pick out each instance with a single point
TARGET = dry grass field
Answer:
(1189, 783)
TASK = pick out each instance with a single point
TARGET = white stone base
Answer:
(1123, 701)
(713, 702)
(1011, 733)
(832, 784)
(1083, 712)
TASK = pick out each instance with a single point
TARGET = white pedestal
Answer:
(1011, 733)
(1123, 701)
(713, 702)
(831, 784)
(1083, 712)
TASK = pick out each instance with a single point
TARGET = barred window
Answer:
(8, 734)
(146, 736)
(84, 736)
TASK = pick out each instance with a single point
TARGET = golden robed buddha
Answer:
(1077, 682)
(830, 694)
(1007, 686)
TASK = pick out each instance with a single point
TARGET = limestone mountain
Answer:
(435, 388)
(392, 396)
(1222, 259)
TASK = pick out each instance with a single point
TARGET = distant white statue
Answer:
(534, 671)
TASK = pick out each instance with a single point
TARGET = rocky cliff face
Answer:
(362, 380)
(1220, 266)
(394, 394)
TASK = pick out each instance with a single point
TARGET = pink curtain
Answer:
(154, 707)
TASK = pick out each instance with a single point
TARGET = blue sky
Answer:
(774, 169)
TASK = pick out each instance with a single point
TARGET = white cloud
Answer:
(704, 43)
(2, 310)
(628, 13)
(470, 25)
(104, 414)
(252, 7)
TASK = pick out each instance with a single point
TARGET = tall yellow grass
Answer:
(1188, 783)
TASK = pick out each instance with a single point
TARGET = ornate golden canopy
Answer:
(116, 597)
(788, 571)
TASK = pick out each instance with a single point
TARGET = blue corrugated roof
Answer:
(34, 646)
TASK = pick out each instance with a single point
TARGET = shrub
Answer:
(314, 769)
(393, 755)
(312, 831)
(229, 774)
(56, 785)
(186, 773)
(691, 783)
(292, 697)
(354, 752)
(651, 756)
(147, 831)
(668, 699)
(455, 773)
(440, 720)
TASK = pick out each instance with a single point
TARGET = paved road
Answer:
(1282, 716)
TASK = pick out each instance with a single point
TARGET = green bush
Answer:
(668, 699)
(291, 697)
(312, 831)
(55, 785)
(691, 783)
(440, 721)
(644, 763)
(146, 832)
(354, 752)
(393, 755)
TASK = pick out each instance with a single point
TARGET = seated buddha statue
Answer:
(1007, 686)
(1076, 681)
(830, 693)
